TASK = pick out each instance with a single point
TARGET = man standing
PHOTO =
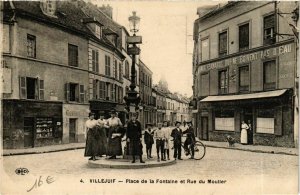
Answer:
(190, 140)
(167, 133)
(148, 138)
(115, 135)
(134, 137)
(176, 134)
(159, 136)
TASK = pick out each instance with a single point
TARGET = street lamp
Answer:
(132, 99)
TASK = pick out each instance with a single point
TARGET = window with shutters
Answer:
(244, 79)
(269, 29)
(244, 37)
(116, 69)
(120, 72)
(112, 92)
(32, 88)
(74, 92)
(73, 55)
(31, 46)
(81, 93)
(269, 75)
(95, 61)
(223, 43)
(31, 85)
(74, 95)
(223, 81)
(107, 65)
(127, 70)
(95, 89)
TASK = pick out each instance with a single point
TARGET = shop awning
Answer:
(266, 94)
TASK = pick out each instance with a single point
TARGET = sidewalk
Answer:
(224, 145)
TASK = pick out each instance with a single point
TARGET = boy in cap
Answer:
(148, 139)
(159, 136)
(167, 133)
(176, 134)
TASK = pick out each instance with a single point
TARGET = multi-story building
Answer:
(160, 105)
(244, 70)
(45, 63)
(145, 93)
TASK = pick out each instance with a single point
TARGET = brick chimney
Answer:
(107, 10)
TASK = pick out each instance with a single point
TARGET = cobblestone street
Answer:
(243, 171)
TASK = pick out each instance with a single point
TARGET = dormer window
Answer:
(94, 26)
(48, 8)
(98, 31)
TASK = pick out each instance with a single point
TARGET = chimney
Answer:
(107, 10)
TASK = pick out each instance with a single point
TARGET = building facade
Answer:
(244, 69)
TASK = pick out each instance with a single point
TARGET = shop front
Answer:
(270, 115)
(30, 124)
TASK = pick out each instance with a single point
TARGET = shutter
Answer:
(93, 61)
(77, 93)
(81, 93)
(67, 92)
(41, 90)
(94, 89)
(23, 90)
(97, 62)
(237, 120)
(278, 121)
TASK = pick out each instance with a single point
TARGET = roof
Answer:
(267, 94)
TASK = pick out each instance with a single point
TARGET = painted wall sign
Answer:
(259, 55)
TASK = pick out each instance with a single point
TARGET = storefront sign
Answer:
(259, 55)
(76, 113)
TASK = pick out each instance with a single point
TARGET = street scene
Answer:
(140, 97)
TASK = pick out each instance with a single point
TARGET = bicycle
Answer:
(199, 149)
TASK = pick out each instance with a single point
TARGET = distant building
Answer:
(244, 70)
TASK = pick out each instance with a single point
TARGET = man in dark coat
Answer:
(176, 134)
(148, 138)
(190, 140)
(134, 137)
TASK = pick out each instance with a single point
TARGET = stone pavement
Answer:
(74, 146)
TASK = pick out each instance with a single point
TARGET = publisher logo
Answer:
(22, 171)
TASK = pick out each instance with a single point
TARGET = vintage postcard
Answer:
(149, 97)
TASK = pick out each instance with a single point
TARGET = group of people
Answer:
(104, 137)
(246, 133)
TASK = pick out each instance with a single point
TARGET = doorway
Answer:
(204, 127)
(248, 118)
(28, 132)
(72, 130)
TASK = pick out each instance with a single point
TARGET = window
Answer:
(223, 43)
(204, 84)
(31, 46)
(265, 122)
(95, 89)
(74, 92)
(126, 69)
(49, 8)
(269, 75)
(224, 120)
(107, 65)
(116, 69)
(112, 92)
(31, 88)
(102, 90)
(95, 61)
(98, 31)
(244, 78)
(269, 29)
(205, 49)
(244, 37)
(73, 55)
(120, 72)
(223, 81)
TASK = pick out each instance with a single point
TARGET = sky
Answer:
(166, 28)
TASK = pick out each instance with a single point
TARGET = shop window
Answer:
(205, 49)
(223, 81)
(265, 122)
(269, 29)
(74, 92)
(126, 69)
(31, 88)
(244, 79)
(31, 46)
(244, 37)
(73, 55)
(224, 120)
(269, 69)
(107, 65)
(95, 61)
(223, 43)
(44, 127)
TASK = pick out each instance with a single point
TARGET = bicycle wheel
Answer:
(200, 150)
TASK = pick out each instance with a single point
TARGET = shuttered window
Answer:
(120, 72)
(102, 90)
(269, 75)
(244, 37)
(41, 90)
(81, 93)
(23, 89)
(107, 65)
(95, 61)
(223, 43)
(244, 79)
(269, 29)
(116, 69)
(223, 81)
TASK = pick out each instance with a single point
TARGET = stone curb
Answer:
(252, 150)
(128, 165)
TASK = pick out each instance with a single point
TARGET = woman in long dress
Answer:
(244, 138)
(91, 147)
(102, 139)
